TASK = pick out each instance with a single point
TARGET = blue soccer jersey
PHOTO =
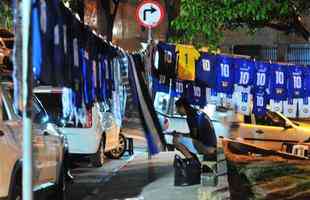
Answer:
(167, 60)
(224, 74)
(244, 71)
(205, 70)
(260, 101)
(159, 86)
(306, 74)
(196, 95)
(87, 79)
(179, 88)
(295, 86)
(278, 82)
(261, 75)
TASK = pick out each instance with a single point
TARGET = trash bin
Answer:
(186, 172)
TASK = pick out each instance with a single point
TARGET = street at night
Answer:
(154, 100)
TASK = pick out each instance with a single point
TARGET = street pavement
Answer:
(131, 178)
(88, 181)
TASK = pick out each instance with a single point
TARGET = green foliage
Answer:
(202, 22)
(6, 16)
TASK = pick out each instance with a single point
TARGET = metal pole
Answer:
(149, 40)
(27, 124)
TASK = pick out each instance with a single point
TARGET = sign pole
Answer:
(149, 38)
(149, 41)
(27, 96)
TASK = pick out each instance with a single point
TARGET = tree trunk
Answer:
(172, 10)
(106, 14)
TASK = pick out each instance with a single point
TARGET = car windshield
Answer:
(53, 105)
(52, 102)
(270, 119)
(39, 115)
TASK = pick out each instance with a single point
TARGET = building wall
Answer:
(128, 34)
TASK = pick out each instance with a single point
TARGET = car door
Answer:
(51, 139)
(270, 131)
(111, 129)
(47, 145)
(242, 127)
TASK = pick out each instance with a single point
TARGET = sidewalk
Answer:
(143, 179)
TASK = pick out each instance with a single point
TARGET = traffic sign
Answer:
(150, 14)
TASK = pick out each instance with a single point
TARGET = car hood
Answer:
(303, 125)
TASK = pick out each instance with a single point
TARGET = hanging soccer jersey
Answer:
(276, 105)
(295, 84)
(36, 42)
(68, 45)
(278, 82)
(159, 86)
(187, 57)
(224, 74)
(261, 76)
(205, 70)
(196, 95)
(244, 71)
(58, 58)
(260, 102)
(290, 108)
(229, 103)
(167, 60)
(212, 96)
(306, 76)
(304, 107)
(243, 99)
(87, 79)
(47, 21)
(179, 88)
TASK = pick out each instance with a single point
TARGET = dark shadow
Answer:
(240, 188)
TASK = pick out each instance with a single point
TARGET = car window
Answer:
(38, 113)
(270, 119)
(52, 103)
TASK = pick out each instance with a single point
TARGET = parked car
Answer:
(269, 131)
(49, 148)
(102, 138)
(6, 47)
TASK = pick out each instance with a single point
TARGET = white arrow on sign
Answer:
(150, 14)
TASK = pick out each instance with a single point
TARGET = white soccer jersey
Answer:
(304, 107)
(290, 108)
(276, 106)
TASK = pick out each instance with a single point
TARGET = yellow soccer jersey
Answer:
(187, 60)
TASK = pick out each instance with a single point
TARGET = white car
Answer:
(48, 150)
(269, 131)
(102, 138)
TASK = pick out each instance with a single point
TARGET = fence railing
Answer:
(294, 53)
